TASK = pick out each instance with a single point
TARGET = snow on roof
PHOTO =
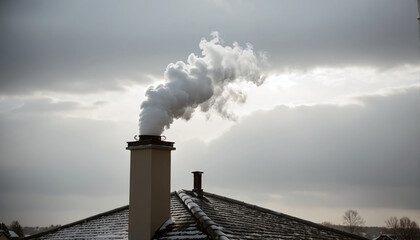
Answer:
(13, 234)
(226, 218)
(114, 225)
(209, 217)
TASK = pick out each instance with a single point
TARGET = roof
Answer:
(114, 225)
(210, 217)
(6, 232)
(385, 237)
(13, 234)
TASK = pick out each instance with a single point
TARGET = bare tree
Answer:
(352, 219)
(407, 228)
(404, 229)
(392, 225)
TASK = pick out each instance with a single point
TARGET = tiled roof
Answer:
(109, 225)
(8, 234)
(210, 217)
(239, 220)
(114, 225)
(13, 234)
(385, 237)
(184, 224)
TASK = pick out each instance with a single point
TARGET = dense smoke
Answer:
(203, 82)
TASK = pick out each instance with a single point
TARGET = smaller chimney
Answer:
(197, 184)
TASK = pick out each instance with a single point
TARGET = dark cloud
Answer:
(79, 46)
(344, 156)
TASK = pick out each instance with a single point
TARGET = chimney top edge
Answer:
(152, 142)
(150, 146)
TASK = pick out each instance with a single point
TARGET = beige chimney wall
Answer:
(150, 181)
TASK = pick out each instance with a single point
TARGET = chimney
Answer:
(150, 181)
(197, 183)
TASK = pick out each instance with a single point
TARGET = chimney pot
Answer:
(197, 183)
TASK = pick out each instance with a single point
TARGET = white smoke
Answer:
(204, 82)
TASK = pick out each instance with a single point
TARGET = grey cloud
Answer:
(17, 108)
(100, 103)
(53, 166)
(44, 105)
(357, 155)
(354, 155)
(47, 158)
(93, 46)
(68, 151)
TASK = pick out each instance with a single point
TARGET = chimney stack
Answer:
(197, 183)
(150, 182)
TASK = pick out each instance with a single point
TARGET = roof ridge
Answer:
(266, 210)
(210, 227)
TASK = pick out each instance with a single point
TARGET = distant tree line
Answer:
(22, 231)
(402, 228)
(399, 229)
(37, 229)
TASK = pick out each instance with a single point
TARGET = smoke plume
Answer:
(202, 82)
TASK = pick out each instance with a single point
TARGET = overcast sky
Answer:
(335, 126)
